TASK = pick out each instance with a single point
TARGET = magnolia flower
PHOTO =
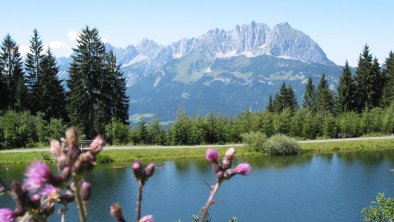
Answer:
(212, 155)
(243, 169)
(7, 215)
(36, 176)
(147, 218)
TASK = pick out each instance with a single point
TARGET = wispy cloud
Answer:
(72, 35)
(24, 49)
(57, 44)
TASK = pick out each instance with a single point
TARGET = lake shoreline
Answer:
(127, 156)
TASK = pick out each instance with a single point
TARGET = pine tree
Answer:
(87, 76)
(279, 101)
(52, 95)
(270, 105)
(32, 67)
(310, 96)
(369, 81)
(290, 100)
(12, 76)
(388, 90)
(325, 99)
(115, 90)
(346, 89)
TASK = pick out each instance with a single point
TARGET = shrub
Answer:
(104, 159)
(255, 140)
(117, 132)
(280, 144)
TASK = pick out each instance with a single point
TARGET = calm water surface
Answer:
(320, 188)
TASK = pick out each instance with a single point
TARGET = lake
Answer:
(309, 187)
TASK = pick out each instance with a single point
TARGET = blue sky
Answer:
(341, 28)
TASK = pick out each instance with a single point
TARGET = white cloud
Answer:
(24, 49)
(57, 44)
(72, 35)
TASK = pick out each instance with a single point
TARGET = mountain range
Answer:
(224, 72)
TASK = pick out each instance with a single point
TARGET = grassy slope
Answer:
(127, 156)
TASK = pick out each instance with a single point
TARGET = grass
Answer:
(128, 156)
(347, 146)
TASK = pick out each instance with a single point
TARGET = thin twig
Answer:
(80, 205)
(139, 200)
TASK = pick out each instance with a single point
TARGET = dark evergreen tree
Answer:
(346, 89)
(388, 90)
(309, 102)
(325, 99)
(279, 101)
(115, 90)
(32, 67)
(369, 81)
(52, 96)
(270, 105)
(12, 76)
(290, 100)
(143, 136)
(87, 108)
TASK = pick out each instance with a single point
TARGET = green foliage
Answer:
(12, 80)
(255, 140)
(346, 89)
(97, 88)
(310, 96)
(349, 125)
(388, 90)
(369, 81)
(104, 159)
(325, 99)
(280, 144)
(116, 132)
(285, 99)
(383, 211)
(19, 129)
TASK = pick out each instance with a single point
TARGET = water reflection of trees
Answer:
(368, 158)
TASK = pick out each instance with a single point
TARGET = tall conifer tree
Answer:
(325, 99)
(388, 90)
(346, 90)
(309, 102)
(52, 95)
(12, 75)
(32, 67)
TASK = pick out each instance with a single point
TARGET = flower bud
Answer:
(147, 218)
(226, 164)
(85, 190)
(116, 211)
(149, 170)
(228, 174)
(212, 155)
(68, 196)
(243, 169)
(215, 167)
(56, 150)
(72, 137)
(230, 153)
(137, 169)
(97, 145)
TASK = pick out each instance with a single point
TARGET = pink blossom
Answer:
(97, 145)
(7, 215)
(55, 148)
(137, 169)
(243, 169)
(85, 190)
(147, 218)
(149, 170)
(212, 155)
(47, 190)
(36, 176)
(230, 153)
